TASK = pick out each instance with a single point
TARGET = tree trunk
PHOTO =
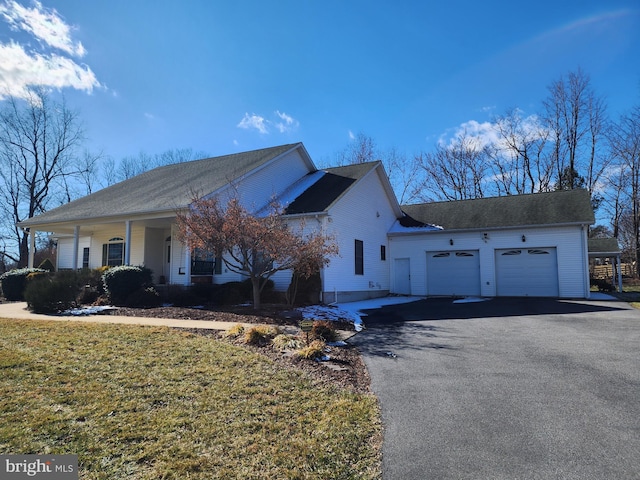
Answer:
(255, 283)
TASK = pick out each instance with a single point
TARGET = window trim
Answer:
(109, 260)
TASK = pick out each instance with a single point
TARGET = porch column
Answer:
(187, 265)
(619, 273)
(32, 247)
(127, 242)
(76, 246)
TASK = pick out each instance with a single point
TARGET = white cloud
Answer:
(287, 124)
(43, 23)
(253, 121)
(282, 122)
(20, 69)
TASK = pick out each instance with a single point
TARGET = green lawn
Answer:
(151, 403)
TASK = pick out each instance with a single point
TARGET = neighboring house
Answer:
(519, 245)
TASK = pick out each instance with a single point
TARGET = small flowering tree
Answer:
(252, 245)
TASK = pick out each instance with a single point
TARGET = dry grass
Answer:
(150, 403)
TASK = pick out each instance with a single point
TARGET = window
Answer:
(85, 257)
(201, 262)
(359, 257)
(113, 252)
(383, 252)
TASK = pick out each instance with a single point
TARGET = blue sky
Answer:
(228, 76)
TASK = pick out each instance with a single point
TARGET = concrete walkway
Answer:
(18, 310)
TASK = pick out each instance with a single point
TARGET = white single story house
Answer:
(507, 246)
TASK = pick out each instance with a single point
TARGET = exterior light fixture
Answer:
(524, 239)
(451, 241)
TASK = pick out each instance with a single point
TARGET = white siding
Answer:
(569, 242)
(364, 213)
(256, 190)
(65, 252)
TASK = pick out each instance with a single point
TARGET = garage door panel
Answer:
(527, 272)
(453, 273)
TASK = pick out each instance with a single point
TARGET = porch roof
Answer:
(162, 189)
(603, 247)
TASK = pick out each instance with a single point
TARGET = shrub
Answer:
(314, 351)
(120, 281)
(324, 330)
(260, 335)
(229, 293)
(144, 298)
(304, 290)
(51, 294)
(235, 331)
(287, 342)
(14, 283)
(603, 285)
(48, 265)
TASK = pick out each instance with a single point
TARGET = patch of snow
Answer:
(351, 311)
(96, 310)
(339, 343)
(294, 191)
(397, 227)
(470, 300)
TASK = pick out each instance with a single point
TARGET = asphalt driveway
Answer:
(507, 389)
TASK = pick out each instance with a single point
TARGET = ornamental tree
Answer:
(256, 246)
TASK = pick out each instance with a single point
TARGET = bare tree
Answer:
(576, 119)
(456, 171)
(38, 141)
(520, 162)
(404, 175)
(625, 143)
(361, 149)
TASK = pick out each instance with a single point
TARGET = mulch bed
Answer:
(345, 371)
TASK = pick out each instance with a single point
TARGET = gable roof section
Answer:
(331, 187)
(565, 207)
(164, 188)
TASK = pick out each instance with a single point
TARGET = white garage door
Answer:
(453, 273)
(527, 272)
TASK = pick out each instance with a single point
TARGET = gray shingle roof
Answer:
(161, 189)
(550, 208)
(329, 188)
(603, 245)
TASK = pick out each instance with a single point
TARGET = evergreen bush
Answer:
(120, 282)
(14, 283)
(52, 294)
(144, 298)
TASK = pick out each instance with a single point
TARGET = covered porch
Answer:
(148, 241)
(608, 249)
